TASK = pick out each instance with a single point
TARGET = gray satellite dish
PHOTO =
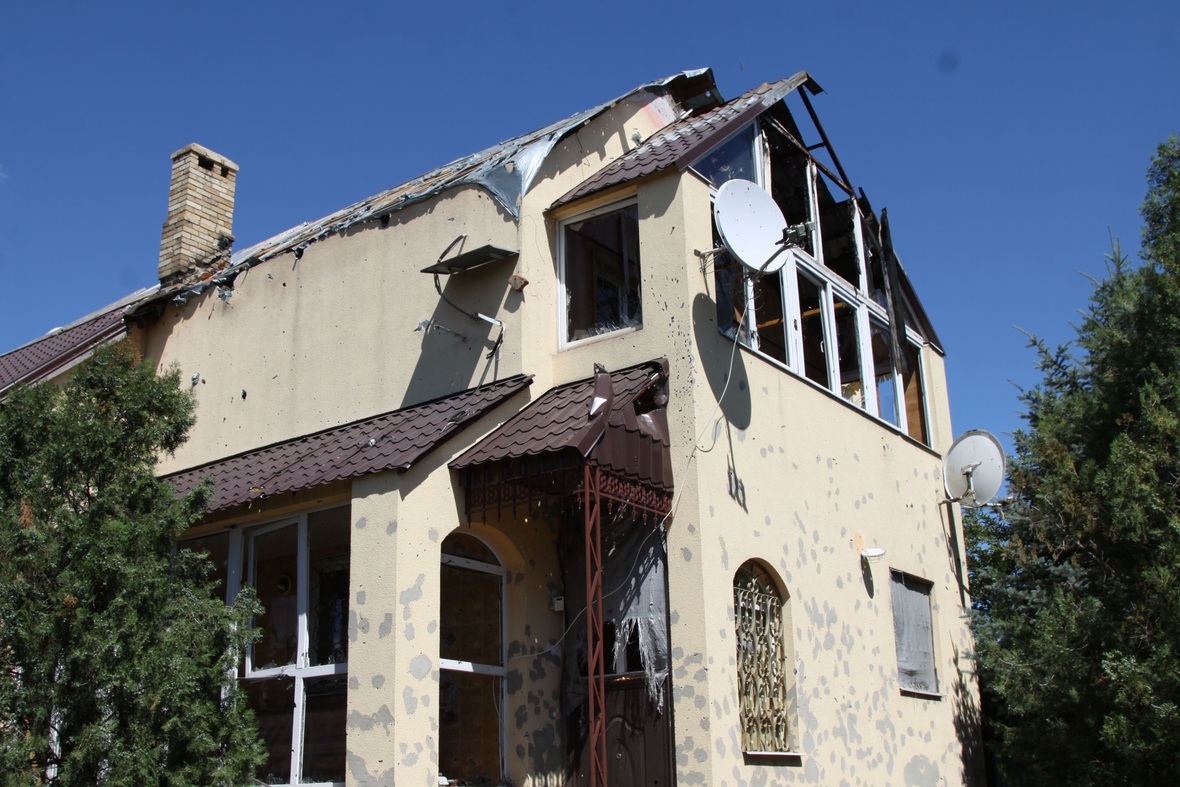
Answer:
(973, 470)
(751, 225)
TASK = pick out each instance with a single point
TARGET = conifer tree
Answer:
(116, 656)
(1076, 581)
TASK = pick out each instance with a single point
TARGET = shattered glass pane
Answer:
(836, 215)
(848, 353)
(811, 325)
(602, 274)
(883, 372)
(731, 160)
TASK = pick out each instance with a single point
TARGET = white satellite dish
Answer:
(751, 225)
(973, 470)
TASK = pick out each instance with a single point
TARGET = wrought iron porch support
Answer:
(595, 657)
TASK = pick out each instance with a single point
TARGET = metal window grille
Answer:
(761, 663)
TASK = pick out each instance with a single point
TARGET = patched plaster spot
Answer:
(420, 666)
(391, 528)
(433, 534)
(360, 597)
(687, 553)
(386, 626)
(409, 631)
(431, 627)
(411, 595)
(360, 523)
(378, 681)
(411, 702)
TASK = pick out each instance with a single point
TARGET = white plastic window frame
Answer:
(831, 284)
(241, 544)
(564, 343)
(500, 671)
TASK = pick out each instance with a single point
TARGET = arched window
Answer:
(761, 659)
(471, 658)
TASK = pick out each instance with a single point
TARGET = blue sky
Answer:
(1008, 140)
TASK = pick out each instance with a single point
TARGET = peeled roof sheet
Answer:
(689, 137)
(394, 440)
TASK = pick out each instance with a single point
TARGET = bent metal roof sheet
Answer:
(632, 444)
(684, 141)
(390, 441)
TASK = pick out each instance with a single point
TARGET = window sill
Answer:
(923, 695)
(772, 757)
(571, 345)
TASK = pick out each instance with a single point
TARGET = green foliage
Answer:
(110, 637)
(1076, 582)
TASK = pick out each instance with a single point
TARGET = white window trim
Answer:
(562, 304)
(242, 545)
(831, 285)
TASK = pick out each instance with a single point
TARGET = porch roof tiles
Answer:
(390, 441)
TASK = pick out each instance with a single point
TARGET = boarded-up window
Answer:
(471, 657)
(914, 633)
(915, 400)
(761, 660)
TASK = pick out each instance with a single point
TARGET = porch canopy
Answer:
(601, 441)
(614, 422)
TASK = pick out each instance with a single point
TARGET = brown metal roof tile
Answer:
(27, 363)
(632, 444)
(684, 141)
(394, 440)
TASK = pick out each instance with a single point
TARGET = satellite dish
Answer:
(973, 470)
(751, 225)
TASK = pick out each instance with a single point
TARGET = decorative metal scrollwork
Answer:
(761, 661)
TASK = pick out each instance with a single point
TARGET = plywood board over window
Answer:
(914, 633)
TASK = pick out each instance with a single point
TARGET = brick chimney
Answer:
(199, 230)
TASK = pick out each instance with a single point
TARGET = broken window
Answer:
(848, 352)
(761, 659)
(471, 661)
(790, 183)
(601, 274)
(915, 399)
(732, 160)
(837, 229)
(883, 373)
(812, 331)
(914, 633)
(295, 676)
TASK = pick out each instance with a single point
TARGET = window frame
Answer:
(241, 556)
(564, 343)
(936, 693)
(832, 285)
(500, 672)
(785, 649)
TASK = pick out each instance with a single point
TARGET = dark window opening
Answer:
(273, 703)
(328, 533)
(602, 274)
(630, 660)
(275, 575)
(325, 710)
(837, 212)
(788, 183)
(811, 326)
(768, 311)
(471, 604)
(848, 353)
(732, 160)
(915, 401)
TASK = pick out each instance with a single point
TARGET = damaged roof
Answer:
(506, 170)
(683, 142)
(391, 441)
(64, 347)
(629, 440)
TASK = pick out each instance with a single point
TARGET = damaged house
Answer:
(538, 486)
